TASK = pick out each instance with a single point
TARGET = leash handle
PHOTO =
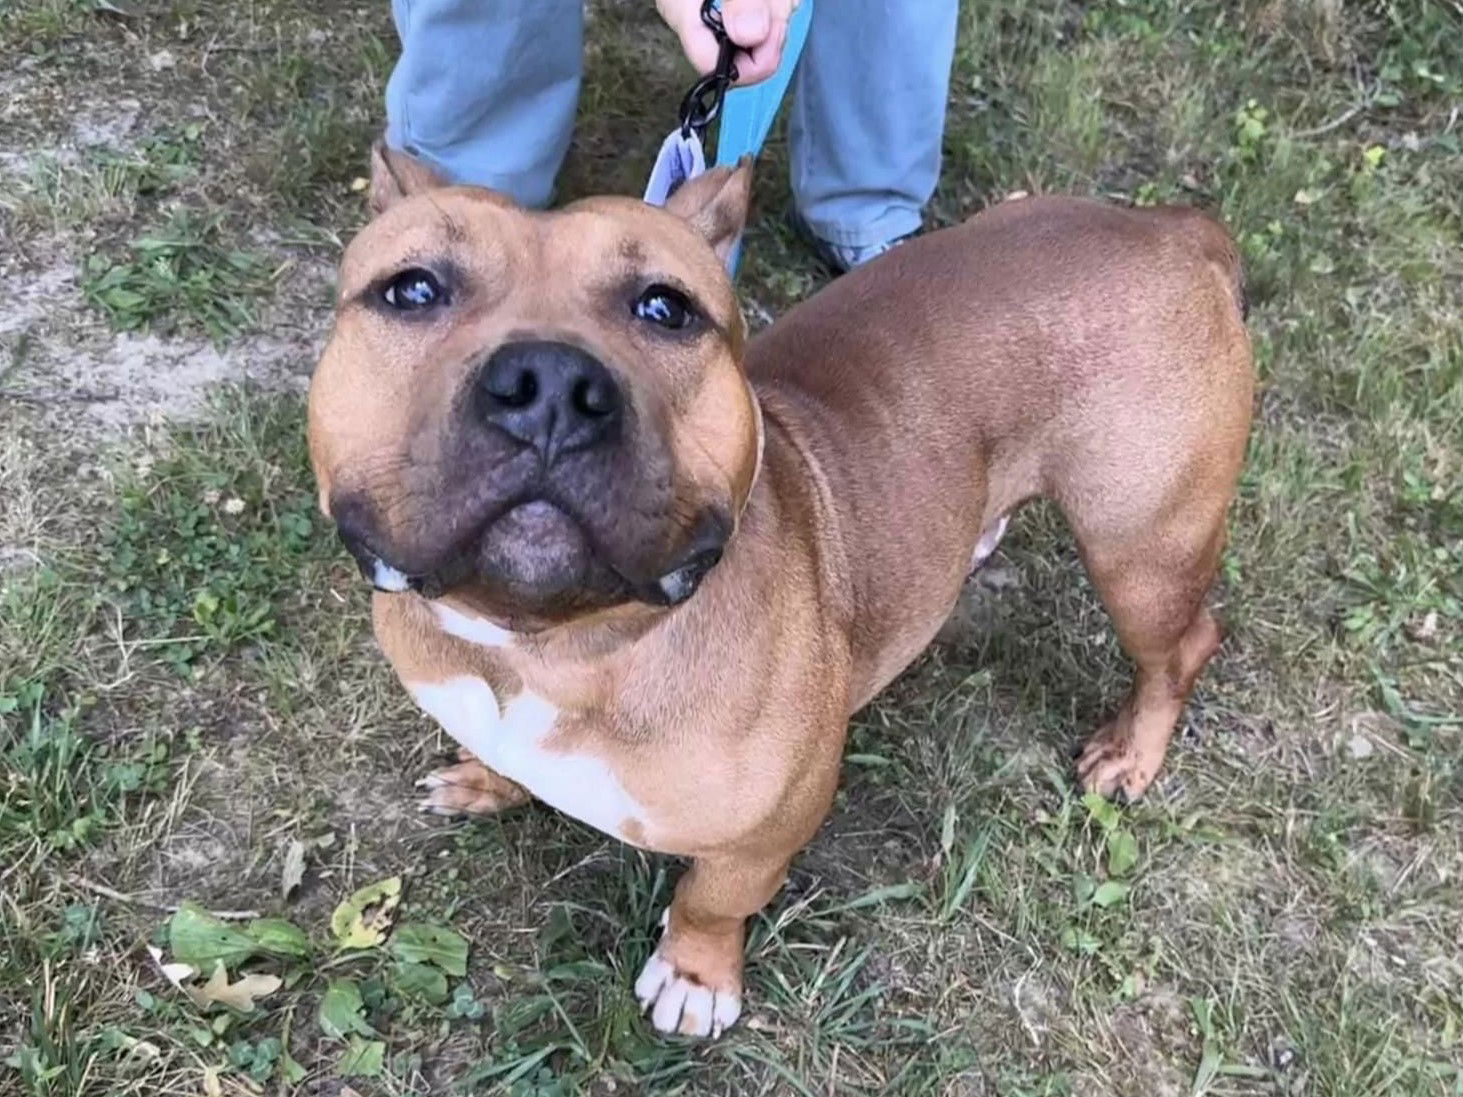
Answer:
(703, 102)
(746, 114)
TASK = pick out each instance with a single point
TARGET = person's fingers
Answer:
(698, 43)
(748, 23)
(758, 27)
(761, 61)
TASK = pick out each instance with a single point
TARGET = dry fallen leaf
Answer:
(144, 1049)
(363, 919)
(294, 867)
(173, 973)
(211, 1088)
(1426, 630)
(239, 995)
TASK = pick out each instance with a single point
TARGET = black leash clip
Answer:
(702, 103)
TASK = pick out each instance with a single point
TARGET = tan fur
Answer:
(1050, 346)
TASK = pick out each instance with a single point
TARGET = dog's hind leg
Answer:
(1151, 543)
(1155, 595)
(1145, 480)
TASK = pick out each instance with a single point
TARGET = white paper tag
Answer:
(680, 158)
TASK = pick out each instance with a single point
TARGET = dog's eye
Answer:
(413, 290)
(665, 307)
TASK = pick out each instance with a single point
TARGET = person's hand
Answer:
(758, 27)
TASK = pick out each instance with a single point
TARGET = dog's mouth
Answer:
(538, 551)
(383, 576)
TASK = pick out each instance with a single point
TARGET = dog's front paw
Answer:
(1113, 765)
(680, 1001)
(469, 788)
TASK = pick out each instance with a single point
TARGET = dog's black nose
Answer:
(554, 397)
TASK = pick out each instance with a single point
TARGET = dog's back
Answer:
(1048, 346)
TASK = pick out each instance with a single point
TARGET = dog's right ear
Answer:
(396, 175)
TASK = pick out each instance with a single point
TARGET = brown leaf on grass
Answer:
(294, 868)
(238, 995)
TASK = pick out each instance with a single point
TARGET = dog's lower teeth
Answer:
(386, 578)
(678, 585)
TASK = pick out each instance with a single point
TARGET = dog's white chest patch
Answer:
(511, 741)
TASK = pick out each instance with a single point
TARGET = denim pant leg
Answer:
(485, 90)
(868, 116)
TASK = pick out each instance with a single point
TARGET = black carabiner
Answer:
(702, 104)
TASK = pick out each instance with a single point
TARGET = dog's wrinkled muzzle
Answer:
(673, 587)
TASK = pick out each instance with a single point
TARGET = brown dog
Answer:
(645, 571)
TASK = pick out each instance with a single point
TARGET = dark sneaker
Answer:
(842, 258)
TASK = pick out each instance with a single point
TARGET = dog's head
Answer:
(540, 414)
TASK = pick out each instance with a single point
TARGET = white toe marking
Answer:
(665, 1013)
(725, 1011)
(652, 977)
(514, 742)
(678, 1005)
(472, 628)
(696, 1013)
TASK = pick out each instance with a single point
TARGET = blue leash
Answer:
(746, 114)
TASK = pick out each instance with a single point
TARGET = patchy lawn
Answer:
(191, 708)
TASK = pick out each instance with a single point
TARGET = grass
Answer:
(179, 273)
(191, 709)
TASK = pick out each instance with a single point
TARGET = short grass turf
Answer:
(191, 705)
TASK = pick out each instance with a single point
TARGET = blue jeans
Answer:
(485, 91)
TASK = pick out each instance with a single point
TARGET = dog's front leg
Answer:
(693, 982)
(469, 788)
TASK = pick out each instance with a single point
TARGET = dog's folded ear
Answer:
(715, 203)
(396, 175)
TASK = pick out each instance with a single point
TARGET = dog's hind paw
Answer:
(681, 1003)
